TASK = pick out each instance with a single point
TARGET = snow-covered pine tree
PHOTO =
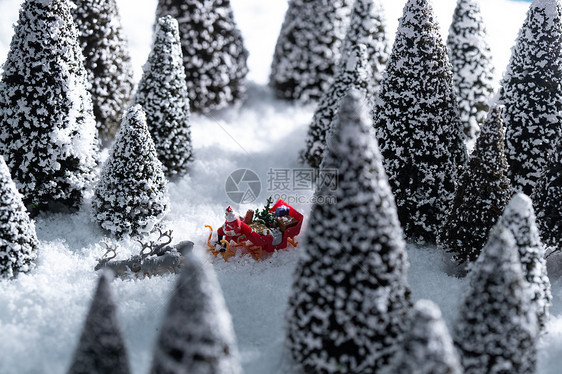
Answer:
(196, 335)
(131, 195)
(547, 200)
(101, 348)
(48, 130)
(417, 123)
(162, 93)
(531, 91)
(473, 70)
(350, 298)
(427, 347)
(354, 72)
(483, 192)
(18, 240)
(308, 48)
(107, 61)
(214, 55)
(367, 26)
(519, 218)
(497, 328)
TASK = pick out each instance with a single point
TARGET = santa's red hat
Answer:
(229, 209)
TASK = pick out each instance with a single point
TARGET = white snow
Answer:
(41, 313)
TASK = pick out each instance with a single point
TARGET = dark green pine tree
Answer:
(483, 192)
(547, 200)
(473, 71)
(497, 328)
(417, 123)
(162, 93)
(18, 240)
(47, 132)
(101, 348)
(519, 218)
(107, 61)
(213, 50)
(427, 347)
(367, 26)
(354, 72)
(196, 335)
(350, 298)
(532, 94)
(308, 48)
(131, 196)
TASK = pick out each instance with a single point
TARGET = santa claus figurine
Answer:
(232, 227)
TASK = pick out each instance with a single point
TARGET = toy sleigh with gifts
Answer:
(257, 233)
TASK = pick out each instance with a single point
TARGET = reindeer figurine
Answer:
(155, 258)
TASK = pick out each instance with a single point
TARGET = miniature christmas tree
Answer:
(107, 62)
(131, 196)
(427, 347)
(18, 240)
(214, 56)
(547, 199)
(350, 298)
(497, 328)
(519, 218)
(101, 348)
(162, 93)
(48, 134)
(354, 72)
(483, 193)
(471, 59)
(417, 124)
(197, 335)
(367, 26)
(532, 94)
(308, 48)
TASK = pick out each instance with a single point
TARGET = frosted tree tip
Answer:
(426, 310)
(520, 203)
(357, 54)
(167, 23)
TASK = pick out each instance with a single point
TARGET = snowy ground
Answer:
(41, 314)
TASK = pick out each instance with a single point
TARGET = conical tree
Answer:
(471, 59)
(367, 26)
(427, 347)
(354, 72)
(547, 199)
(196, 336)
(101, 348)
(532, 94)
(417, 123)
(162, 93)
(47, 132)
(131, 196)
(483, 193)
(519, 218)
(18, 240)
(497, 328)
(350, 298)
(308, 48)
(107, 61)
(214, 55)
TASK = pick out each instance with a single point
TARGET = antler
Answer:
(146, 246)
(165, 234)
(109, 249)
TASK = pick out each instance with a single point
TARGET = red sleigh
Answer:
(258, 244)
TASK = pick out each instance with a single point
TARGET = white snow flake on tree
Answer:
(417, 123)
(497, 327)
(197, 336)
(532, 94)
(350, 298)
(308, 48)
(162, 93)
(47, 132)
(519, 218)
(101, 348)
(427, 347)
(131, 196)
(107, 61)
(18, 240)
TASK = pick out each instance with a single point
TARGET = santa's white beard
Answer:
(230, 216)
